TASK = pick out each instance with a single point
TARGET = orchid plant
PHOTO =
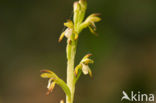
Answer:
(72, 32)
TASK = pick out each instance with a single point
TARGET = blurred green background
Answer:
(124, 52)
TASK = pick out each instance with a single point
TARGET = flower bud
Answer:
(77, 10)
(83, 4)
(76, 6)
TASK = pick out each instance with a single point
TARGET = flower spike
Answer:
(72, 31)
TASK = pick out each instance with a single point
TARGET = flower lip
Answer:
(51, 85)
(85, 69)
(68, 32)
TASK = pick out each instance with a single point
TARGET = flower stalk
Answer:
(71, 51)
(72, 32)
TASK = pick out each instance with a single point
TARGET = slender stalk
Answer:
(72, 33)
(71, 51)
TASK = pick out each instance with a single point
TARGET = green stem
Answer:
(71, 51)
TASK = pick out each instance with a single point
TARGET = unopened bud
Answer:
(83, 4)
(76, 6)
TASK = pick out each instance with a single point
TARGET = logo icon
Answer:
(125, 96)
(137, 97)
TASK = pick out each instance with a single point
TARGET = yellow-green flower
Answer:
(84, 66)
(69, 31)
(51, 82)
(90, 22)
(54, 79)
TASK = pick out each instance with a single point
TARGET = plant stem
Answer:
(71, 51)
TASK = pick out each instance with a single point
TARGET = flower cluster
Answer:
(73, 29)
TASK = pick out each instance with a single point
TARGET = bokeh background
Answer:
(124, 52)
